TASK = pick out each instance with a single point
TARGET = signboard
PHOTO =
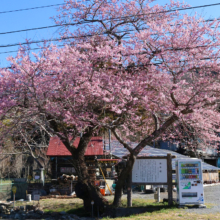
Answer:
(149, 171)
(14, 189)
(36, 197)
(36, 177)
(67, 170)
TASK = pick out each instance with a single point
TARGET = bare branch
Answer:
(31, 152)
(121, 141)
(156, 121)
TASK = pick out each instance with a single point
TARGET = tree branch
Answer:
(157, 124)
(121, 141)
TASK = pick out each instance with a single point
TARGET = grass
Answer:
(160, 211)
(168, 216)
(70, 206)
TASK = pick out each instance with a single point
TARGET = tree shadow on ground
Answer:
(123, 212)
(81, 212)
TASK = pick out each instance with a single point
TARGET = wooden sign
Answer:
(154, 171)
(149, 171)
(67, 170)
(36, 197)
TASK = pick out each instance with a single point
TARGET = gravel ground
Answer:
(212, 199)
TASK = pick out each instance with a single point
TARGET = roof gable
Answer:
(57, 148)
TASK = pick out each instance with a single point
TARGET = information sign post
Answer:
(150, 171)
(154, 171)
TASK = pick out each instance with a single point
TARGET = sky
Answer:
(41, 17)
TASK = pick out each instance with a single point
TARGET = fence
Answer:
(31, 186)
(210, 177)
(5, 189)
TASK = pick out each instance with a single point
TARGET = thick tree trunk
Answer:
(129, 190)
(121, 180)
(134, 152)
(85, 189)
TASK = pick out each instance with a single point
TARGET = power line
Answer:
(39, 41)
(70, 24)
(26, 9)
(30, 29)
(47, 6)
(58, 39)
(168, 49)
(158, 63)
(39, 7)
(85, 22)
(14, 51)
(144, 65)
(38, 28)
(66, 38)
(38, 48)
(171, 49)
(189, 8)
(161, 12)
(73, 37)
(53, 26)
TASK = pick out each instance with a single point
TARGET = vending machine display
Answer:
(189, 182)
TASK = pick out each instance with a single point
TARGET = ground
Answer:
(146, 201)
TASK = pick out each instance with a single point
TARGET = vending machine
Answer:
(189, 182)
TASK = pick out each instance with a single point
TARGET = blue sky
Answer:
(41, 17)
(24, 20)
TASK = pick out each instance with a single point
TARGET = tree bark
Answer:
(121, 180)
(85, 188)
(133, 154)
(129, 190)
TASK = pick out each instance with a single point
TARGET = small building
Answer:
(61, 158)
(210, 172)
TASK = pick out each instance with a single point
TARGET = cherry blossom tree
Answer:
(63, 92)
(174, 59)
(130, 67)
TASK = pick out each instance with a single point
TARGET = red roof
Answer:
(57, 148)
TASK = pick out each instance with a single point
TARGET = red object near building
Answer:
(56, 147)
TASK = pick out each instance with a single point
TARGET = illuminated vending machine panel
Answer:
(189, 182)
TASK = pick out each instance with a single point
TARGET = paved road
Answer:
(212, 197)
(211, 193)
